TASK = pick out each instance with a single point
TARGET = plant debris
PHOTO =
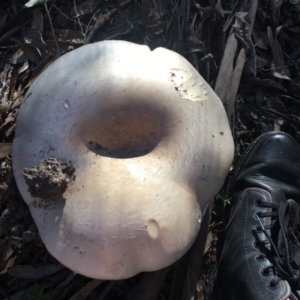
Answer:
(247, 50)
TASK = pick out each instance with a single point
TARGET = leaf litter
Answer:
(247, 50)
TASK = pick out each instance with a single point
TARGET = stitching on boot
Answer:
(283, 296)
(245, 239)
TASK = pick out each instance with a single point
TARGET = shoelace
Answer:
(285, 247)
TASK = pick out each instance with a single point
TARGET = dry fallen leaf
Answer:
(3, 17)
(31, 52)
(5, 149)
(52, 294)
(86, 290)
(30, 272)
(38, 21)
(35, 2)
(10, 118)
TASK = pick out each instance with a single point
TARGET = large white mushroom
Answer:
(118, 151)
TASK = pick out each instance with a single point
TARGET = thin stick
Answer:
(80, 25)
(149, 286)
(12, 32)
(195, 256)
(99, 23)
(51, 25)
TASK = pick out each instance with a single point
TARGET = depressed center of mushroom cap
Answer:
(145, 147)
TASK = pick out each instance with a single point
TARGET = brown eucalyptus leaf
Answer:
(240, 6)
(275, 6)
(30, 272)
(69, 35)
(38, 21)
(5, 82)
(18, 57)
(41, 67)
(5, 149)
(31, 3)
(276, 103)
(145, 11)
(84, 8)
(3, 18)
(63, 46)
(17, 21)
(209, 241)
(278, 59)
(293, 36)
(281, 76)
(31, 53)
(33, 37)
(10, 130)
(242, 29)
(3, 189)
(7, 266)
(269, 83)
(86, 290)
(24, 294)
(259, 42)
(24, 67)
(4, 107)
(52, 294)
(17, 102)
(7, 259)
(10, 118)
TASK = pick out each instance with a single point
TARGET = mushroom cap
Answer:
(150, 145)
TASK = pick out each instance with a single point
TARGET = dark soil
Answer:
(49, 179)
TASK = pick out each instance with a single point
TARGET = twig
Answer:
(12, 32)
(52, 29)
(63, 14)
(149, 286)
(99, 23)
(107, 289)
(80, 25)
(195, 256)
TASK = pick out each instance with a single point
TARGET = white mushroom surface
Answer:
(148, 144)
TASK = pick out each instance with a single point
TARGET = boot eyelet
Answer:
(258, 229)
(260, 257)
(266, 272)
(258, 202)
(271, 286)
(258, 215)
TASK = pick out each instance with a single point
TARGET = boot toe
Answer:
(271, 162)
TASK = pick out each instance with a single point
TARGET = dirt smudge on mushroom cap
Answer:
(49, 179)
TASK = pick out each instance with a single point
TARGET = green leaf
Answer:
(130, 24)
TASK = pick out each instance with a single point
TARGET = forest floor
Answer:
(247, 50)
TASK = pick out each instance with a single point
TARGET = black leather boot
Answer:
(261, 254)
